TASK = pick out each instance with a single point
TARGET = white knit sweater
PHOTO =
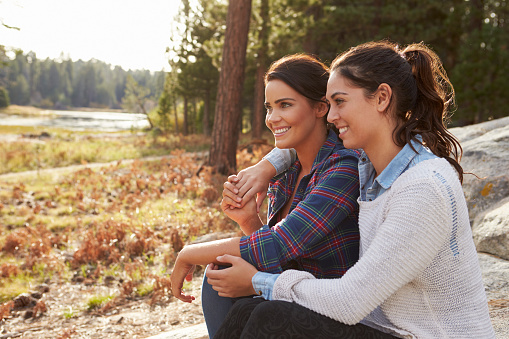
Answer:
(418, 275)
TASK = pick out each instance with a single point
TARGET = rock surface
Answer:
(486, 154)
(491, 230)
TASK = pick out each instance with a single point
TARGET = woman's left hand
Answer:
(234, 281)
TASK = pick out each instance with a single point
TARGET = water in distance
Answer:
(80, 121)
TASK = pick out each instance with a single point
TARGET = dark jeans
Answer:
(258, 318)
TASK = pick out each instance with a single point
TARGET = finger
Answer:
(230, 187)
(189, 277)
(226, 294)
(230, 202)
(227, 259)
(231, 195)
(248, 195)
(242, 180)
(240, 176)
(214, 274)
(212, 267)
(184, 298)
(233, 178)
(215, 282)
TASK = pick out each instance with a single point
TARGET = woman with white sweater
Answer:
(418, 274)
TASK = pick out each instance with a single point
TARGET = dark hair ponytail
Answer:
(432, 110)
(422, 93)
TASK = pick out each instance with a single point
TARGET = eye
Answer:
(338, 101)
(268, 108)
(285, 104)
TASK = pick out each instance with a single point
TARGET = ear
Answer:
(321, 109)
(383, 97)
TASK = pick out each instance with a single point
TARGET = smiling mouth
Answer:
(281, 130)
(342, 130)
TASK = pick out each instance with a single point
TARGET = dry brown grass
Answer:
(122, 223)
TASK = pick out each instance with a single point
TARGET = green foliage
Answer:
(134, 96)
(4, 98)
(63, 83)
(97, 301)
(69, 313)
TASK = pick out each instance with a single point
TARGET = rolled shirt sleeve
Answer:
(263, 284)
(281, 159)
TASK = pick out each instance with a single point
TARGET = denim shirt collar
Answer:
(372, 187)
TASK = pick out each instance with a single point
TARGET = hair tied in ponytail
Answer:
(409, 56)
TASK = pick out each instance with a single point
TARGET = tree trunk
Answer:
(185, 129)
(141, 104)
(259, 107)
(192, 126)
(476, 22)
(225, 134)
(310, 44)
(176, 117)
(206, 113)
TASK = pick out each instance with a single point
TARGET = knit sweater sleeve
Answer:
(415, 226)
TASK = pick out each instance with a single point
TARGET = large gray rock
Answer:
(491, 230)
(495, 273)
(486, 154)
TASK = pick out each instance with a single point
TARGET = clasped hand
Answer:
(234, 281)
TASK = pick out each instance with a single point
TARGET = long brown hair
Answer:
(422, 93)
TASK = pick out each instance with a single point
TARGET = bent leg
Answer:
(215, 308)
(237, 318)
(281, 319)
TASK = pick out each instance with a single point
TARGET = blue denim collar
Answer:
(372, 187)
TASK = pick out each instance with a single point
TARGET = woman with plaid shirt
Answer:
(313, 206)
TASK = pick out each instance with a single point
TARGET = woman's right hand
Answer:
(249, 182)
(247, 217)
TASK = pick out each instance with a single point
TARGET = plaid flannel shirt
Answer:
(320, 234)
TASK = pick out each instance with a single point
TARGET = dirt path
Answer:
(57, 171)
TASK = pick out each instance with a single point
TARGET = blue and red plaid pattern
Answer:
(320, 234)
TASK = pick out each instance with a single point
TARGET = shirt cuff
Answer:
(263, 284)
(281, 159)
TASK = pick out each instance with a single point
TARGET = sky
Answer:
(133, 34)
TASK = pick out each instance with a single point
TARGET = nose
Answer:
(333, 115)
(272, 117)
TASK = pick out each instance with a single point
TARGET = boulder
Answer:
(491, 230)
(486, 154)
(495, 273)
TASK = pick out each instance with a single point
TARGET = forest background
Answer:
(117, 229)
(470, 36)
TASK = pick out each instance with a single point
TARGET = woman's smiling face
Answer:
(290, 115)
(353, 114)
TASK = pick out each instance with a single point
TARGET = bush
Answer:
(4, 98)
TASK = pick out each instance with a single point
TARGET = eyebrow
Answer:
(338, 93)
(279, 100)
